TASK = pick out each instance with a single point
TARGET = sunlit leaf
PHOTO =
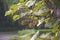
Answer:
(35, 11)
(30, 3)
(8, 12)
(44, 10)
(38, 5)
(21, 1)
(16, 17)
(14, 7)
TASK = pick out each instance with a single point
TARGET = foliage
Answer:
(55, 38)
(24, 32)
(25, 37)
(50, 22)
(16, 17)
(55, 29)
(39, 8)
(33, 13)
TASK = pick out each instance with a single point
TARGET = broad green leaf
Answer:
(16, 17)
(45, 12)
(47, 19)
(24, 32)
(55, 38)
(26, 8)
(31, 17)
(22, 4)
(8, 12)
(55, 29)
(14, 7)
(30, 3)
(35, 18)
(21, 1)
(38, 5)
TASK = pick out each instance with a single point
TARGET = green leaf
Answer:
(26, 8)
(55, 29)
(47, 19)
(22, 4)
(14, 7)
(8, 12)
(16, 17)
(21, 1)
(55, 38)
(45, 12)
(38, 5)
(35, 18)
(24, 32)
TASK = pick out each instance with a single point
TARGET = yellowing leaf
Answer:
(16, 17)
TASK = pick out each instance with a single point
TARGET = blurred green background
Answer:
(5, 22)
